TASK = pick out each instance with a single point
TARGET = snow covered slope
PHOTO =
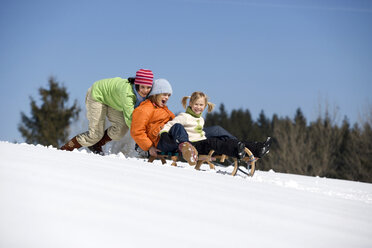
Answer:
(51, 198)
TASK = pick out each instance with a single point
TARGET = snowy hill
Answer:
(51, 198)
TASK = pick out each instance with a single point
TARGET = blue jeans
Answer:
(218, 132)
(169, 141)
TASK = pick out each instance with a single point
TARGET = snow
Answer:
(51, 198)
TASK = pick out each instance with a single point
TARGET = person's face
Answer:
(198, 106)
(162, 99)
(144, 90)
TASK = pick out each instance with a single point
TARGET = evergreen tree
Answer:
(344, 153)
(263, 127)
(364, 151)
(300, 119)
(223, 117)
(241, 124)
(48, 124)
(220, 118)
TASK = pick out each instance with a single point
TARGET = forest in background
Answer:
(319, 148)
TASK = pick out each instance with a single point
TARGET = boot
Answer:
(259, 149)
(97, 148)
(71, 145)
(266, 147)
(241, 150)
(189, 153)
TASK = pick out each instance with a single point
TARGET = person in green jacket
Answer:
(115, 98)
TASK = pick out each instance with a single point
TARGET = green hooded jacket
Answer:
(116, 93)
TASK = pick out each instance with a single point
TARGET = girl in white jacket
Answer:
(192, 120)
(188, 128)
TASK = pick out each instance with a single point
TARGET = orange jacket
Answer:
(147, 121)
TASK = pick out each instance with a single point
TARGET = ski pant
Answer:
(226, 146)
(222, 134)
(177, 134)
(96, 114)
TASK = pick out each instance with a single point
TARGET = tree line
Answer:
(319, 148)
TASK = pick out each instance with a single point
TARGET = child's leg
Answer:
(170, 141)
(218, 132)
(118, 128)
(229, 147)
(167, 143)
(178, 139)
(96, 115)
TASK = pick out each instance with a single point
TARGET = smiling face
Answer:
(198, 105)
(162, 99)
(144, 90)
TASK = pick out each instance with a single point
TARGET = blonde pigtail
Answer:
(184, 101)
(210, 106)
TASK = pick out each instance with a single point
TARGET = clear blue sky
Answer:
(265, 55)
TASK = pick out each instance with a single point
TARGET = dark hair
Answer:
(131, 81)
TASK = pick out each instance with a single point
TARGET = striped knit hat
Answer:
(144, 76)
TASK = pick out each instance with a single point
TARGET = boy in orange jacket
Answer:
(151, 116)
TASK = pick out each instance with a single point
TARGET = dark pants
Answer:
(222, 134)
(225, 146)
(221, 141)
(169, 141)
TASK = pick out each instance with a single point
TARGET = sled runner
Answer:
(248, 162)
(163, 156)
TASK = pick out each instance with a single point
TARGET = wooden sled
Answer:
(165, 156)
(250, 161)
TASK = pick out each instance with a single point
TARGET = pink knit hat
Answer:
(144, 76)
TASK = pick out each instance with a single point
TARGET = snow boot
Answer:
(97, 148)
(71, 145)
(241, 150)
(259, 149)
(189, 153)
(266, 147)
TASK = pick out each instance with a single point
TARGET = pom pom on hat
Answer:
(161, 86)
(144, 77)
